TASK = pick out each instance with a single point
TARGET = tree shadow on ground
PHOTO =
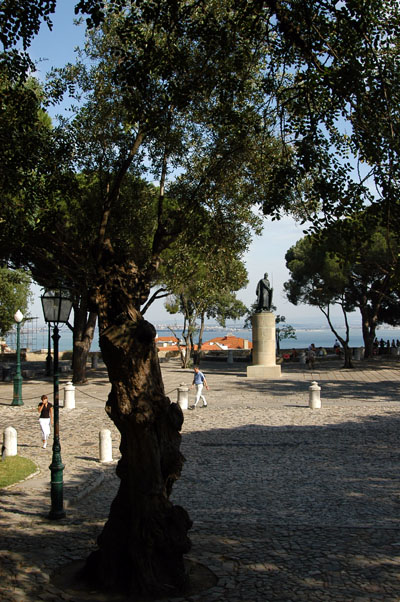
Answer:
(96, 381)
(299, 508)
(331, 390)
(277, 510)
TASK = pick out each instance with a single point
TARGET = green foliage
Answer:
(158, 99)
(14, 294)
(166, 118)
(202, 277)
(24, 134)
(354, 263)
(284, 332)
(337, 87)
(318, 275)
(172, 94)
(249, 314)
(202, 284)
(20, 21)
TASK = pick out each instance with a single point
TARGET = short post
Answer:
(302, 358)
(69, 396)
(10, 444)
(95, 360)
(7, 373)
(314, 396)
(105, 445)
(183, 396)
(230, 356)
(358, 353)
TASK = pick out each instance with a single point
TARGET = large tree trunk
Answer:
(344, 342)
(142, 544)
(369, 338)
(188, 329)
(369, 324)
(82, 339)
(188, 350)
(197, 354)
(347, 355)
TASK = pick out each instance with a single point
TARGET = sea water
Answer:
(321, 337)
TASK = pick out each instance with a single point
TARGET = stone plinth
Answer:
(264, 347)
(183, 396)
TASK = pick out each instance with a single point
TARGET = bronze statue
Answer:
(264, 294)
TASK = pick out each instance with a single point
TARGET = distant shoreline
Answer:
(321, 337)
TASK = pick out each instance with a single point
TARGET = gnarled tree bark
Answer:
(83, 333)
(142, 544)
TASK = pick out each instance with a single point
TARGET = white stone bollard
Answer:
(105, 445)
(229, 359)
(69, 396)
(358, 353)
(302, 358)
(183, 396)
(315, 396)
(10, 444)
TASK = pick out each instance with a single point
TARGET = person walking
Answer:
(311, 353)
(199, 380)
(45, 409)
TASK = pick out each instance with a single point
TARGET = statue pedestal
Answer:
(264, 347)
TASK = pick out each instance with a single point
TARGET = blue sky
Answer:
(266, 254)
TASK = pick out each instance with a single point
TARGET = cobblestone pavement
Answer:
(288, 503)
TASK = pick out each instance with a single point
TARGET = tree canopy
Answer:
(191, 96)
(14, 294)
(203, 285)
(318, 278)
(354, 263)
(168, 92)
(338, 99)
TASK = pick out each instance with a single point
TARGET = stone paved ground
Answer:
(288, 503)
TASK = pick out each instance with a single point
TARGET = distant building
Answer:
(225, 343)
(213, 347)
(168, 346)
(167, 343)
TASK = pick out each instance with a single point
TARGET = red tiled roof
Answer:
(229, 341)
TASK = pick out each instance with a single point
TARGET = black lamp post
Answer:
(56, 308)
(17, 397)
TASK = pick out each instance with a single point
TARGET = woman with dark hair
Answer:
(45, 408)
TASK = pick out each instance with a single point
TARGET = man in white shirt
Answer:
(199, 380)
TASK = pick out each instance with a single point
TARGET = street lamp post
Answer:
(17, 397)
(49, 361)
(56, 308)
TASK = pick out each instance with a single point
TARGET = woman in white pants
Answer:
(45, 410)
